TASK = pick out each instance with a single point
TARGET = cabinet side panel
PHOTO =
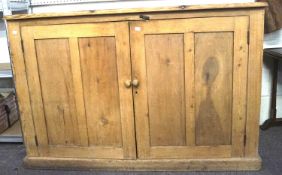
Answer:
(254, 82)
(213, 87)
(101, 90)
(23, 98)
(165, 83)
(54, 69)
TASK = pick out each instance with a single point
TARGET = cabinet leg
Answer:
(273, 121)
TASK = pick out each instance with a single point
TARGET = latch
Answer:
(144, 17)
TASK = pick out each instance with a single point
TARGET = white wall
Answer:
(4, 52)
(266, 89)
(125, 4)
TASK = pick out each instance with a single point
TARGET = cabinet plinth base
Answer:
(222, 164)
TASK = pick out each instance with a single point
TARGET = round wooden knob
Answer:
(135, 83)
(127, 83)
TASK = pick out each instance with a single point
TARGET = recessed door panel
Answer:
(213, 88)
(54, 68)
(165, 82)
(101, 91)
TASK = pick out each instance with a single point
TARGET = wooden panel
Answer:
(126, 98)
(78, 91)
(189, 87)
(71, 30)
(188, 152)
(21, 84)
(133, 17)
(57, 91)
(34, 88)
(85, 152)
(220, 164)
(214, 24)
(101, 90)
(140, 93)
(140, 10)
(165, 82)
(239, 85)
(213, 87)
(254, 82)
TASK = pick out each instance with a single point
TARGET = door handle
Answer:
(135, 83)
(127, 83)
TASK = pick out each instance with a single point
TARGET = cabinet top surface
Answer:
(139, 10)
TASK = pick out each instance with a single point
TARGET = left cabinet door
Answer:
(80, 104)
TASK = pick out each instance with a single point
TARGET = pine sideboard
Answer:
(174, 88)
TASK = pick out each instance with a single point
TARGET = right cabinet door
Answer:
(190, 99)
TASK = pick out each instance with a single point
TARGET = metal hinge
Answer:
(144, 17)
(22, 46)
(36, 141)
(248, 37)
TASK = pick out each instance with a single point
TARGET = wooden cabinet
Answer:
(154, 89)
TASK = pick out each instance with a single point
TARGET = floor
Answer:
(11, 156)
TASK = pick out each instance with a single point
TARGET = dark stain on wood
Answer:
(167, 61)
(208, 122)
(210, 71)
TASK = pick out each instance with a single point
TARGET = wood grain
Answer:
(78, 91)
(126, 97)
(34, 88)
(254, 82)
(165, 82)
(189, 62)
(100, 87)
(239, 85)
(72, 30)
(187, 152)
(139, 72)
(215, 24)
(66, 113)
(22, 89)
(135, 17)
(57, 91)
(140, 10)
(213, 88)
(220, 164)
(208, 90)
(86, 152)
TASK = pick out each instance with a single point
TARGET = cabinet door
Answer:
(76, 76)
(191, 97)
